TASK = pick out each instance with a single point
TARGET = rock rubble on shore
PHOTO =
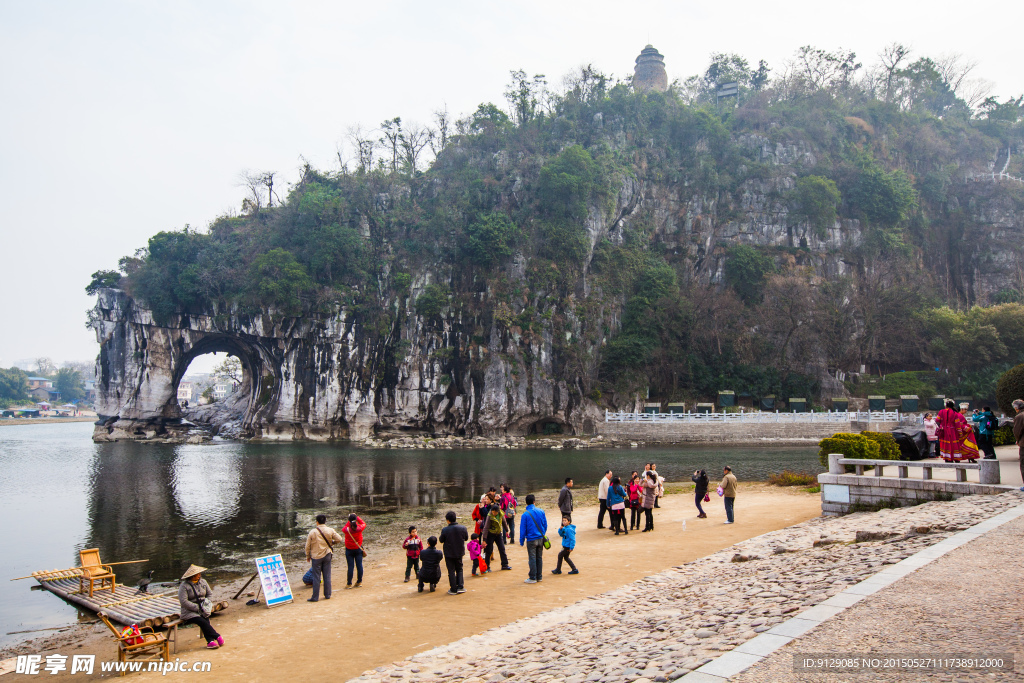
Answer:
(664, 626)
(444, 442)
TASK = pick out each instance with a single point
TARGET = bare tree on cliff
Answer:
(392, 140)
(524, 95)
(892, 56)
(414, 140)
(443, 123)
(260, 185)
(364, 147)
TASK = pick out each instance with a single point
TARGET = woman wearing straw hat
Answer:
(194, 594)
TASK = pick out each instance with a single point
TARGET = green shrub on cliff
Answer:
(745, 271)
(277, 280)
(816, 200)
(492, 239)
(432, 301)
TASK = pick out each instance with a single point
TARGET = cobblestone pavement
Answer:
(967, 602)
(662, 627)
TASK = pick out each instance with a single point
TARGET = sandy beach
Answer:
(387, 620)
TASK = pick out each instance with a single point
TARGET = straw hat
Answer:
(193, 569)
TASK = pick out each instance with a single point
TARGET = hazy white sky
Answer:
(120, 119)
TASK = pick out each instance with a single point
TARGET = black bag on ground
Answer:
(913, 443)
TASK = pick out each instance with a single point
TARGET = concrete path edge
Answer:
(744, 656)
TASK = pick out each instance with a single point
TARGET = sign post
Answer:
(276, 589)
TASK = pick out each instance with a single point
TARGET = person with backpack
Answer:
(533, 525)
(494, 534)
(508, 503)
(617, 506)
(987, 423)
(319, 553)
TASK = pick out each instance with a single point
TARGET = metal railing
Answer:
(836, 416)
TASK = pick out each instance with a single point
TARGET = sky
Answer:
(122, 119)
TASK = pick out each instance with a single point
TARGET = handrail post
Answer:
(833, 464)
(989, 472)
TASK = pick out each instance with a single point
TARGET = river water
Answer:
(221, 504)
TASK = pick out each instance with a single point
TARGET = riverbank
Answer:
(13, 421)
(401, 622)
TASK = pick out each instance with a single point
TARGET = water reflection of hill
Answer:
(210, 503)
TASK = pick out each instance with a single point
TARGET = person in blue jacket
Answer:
(533, 524)
(617, 506)
(568, 533)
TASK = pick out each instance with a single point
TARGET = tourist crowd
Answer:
(494, 527)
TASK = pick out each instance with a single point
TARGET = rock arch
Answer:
(244, 410)
(142, 362)
(319, 376)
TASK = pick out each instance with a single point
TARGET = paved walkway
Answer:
(721, 614)
(967, 602)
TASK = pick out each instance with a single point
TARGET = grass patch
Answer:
(787, 478)
(813, 489)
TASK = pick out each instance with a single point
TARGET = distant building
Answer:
(39, 383)
(649, 72)
(222, 389)
(90, 390)
(184, 391)
(44, 394)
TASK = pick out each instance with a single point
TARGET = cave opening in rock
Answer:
(220, 383)
(547, 427)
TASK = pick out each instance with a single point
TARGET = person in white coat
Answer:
(602, 497)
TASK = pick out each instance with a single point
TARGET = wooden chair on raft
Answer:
(94, 571)
(147, 646)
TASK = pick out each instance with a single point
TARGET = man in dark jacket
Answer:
(565, 499)
(430, 570)
(453, 540)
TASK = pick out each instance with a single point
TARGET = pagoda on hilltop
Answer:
(649, 72)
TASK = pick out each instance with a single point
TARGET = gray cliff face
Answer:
(308, 379)
(464, 373)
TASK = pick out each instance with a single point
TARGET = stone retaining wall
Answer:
(733, 432)
(841, 493)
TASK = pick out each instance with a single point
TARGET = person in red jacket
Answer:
(353, 533)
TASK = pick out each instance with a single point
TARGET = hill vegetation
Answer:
(603, 222)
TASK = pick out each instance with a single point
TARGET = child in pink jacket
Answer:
(474, 549)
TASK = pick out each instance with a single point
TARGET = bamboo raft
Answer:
(124, 604)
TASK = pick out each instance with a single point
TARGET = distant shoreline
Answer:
(10, 421)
